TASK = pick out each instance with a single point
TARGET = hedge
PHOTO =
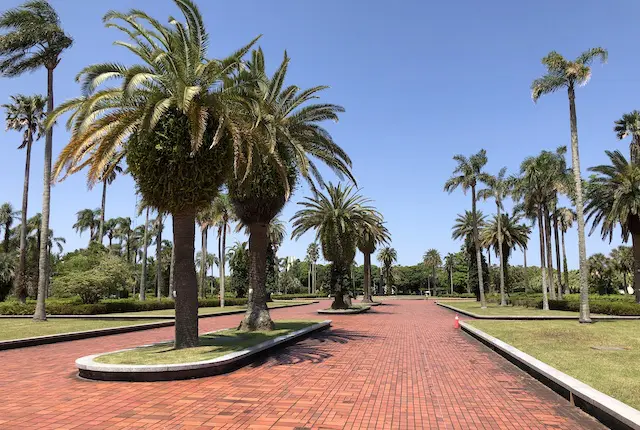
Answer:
(107, 306)
(606, 305)
(297, 296)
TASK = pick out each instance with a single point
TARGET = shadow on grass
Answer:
(310, 350)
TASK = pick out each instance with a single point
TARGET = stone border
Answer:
(88, 368)
(349, 311)
(536, 317)
(606, 409)
(77, 335)
(370, 304)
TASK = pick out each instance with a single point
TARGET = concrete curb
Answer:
(537, 317)
(606, 409)
(77, 335)
(362, 309)
(90, 369)
(66, 337)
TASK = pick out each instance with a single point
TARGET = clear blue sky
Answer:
(421, 81)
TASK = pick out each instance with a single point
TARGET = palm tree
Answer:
(223, 216)
(449, 262)
(205, 219)
(108, 176)
(565, 217)
(145, 246)
(498, 187)
(35, 39)
(463, 227)
(292, 138)
(7, 215)
(87, 219)
(370, 236)
(205, 263)
(432, 260)
(111, 231)
(313, 252)
(622, 258)
(613, 198)
(629, 125)
(562, 73)
(175, 110)
(336, 217)
(467, 174)
(387, 256)
(124, 233)
(25, 114)
(159, 226)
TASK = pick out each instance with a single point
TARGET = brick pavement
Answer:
(401, 366)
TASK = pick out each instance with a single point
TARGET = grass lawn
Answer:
(212, 345)
(567, 346)
(210, 311)
(495, 309)
(24, 327)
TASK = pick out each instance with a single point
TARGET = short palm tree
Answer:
(109, 175)
(498, 187)
(370, 236)
(35, 39)
(467, 175)
(111, 231)
(613, 199)
(335, 216)
(87, 220)
(223, 216)
(566, 217)
(565, 74)
(622, 258)
(432, 260)
(629, 125)
(463, 227)
(124, 233)
(387, 256)
(25, 114)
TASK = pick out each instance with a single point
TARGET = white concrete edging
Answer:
(612, 407)
(88, 363)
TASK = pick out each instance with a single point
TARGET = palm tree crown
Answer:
(514, 234)
(26, 114)
(629, 125)
(463, 227)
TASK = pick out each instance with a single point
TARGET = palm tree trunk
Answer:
(564, 265)
(203, 262)
(543, 270)
(547, 232)
(635, 240)
(429, 285)
(172, 266)
(526, 273)
(43, 261)
(21, 288)
(476, 242)
(556, 241)
(451, 277)
(223, 258)
(186, 284)
(503, 298)
(585, 316)
(315, 278)
(102, 208)
(159, 278)
(143, 276)
(257, 316)
(367, 278)
(489, 269)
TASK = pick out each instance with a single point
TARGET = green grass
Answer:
(212, 345)
(567, 346)
(25, 327)
(495, 309)
(208, 311)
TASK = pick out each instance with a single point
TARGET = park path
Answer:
(401, 366)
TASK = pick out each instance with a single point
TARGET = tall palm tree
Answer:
(223, 216)
(370, 236)
(566, 218)
(159, 226)
(449, 262)
(313, 252)
(88, 219)
(145, 246)
(498, 187)
(176, 111)
(25, 114)
(292, 138)
(562, 73)
(109, 175)
(467, 175)
(7, 215)
(613, 199)
(335, 216)
(111, 231)
(387, 256)
(629, 125)
(432, 260)
(124, 233)
(34, 39)
(205, 219)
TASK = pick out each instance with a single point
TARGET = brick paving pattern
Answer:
(401, 366)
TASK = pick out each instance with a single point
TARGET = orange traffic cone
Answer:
(456, 322)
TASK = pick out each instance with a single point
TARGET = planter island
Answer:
(355, 309)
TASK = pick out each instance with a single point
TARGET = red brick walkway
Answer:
(402, 366)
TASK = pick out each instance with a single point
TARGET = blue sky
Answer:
(420, 81)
